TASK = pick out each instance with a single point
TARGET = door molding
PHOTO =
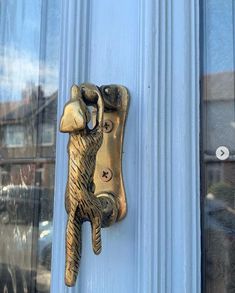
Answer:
(169, 148)
(166, 151)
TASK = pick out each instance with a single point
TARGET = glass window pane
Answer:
(218, 150)
(14, 136)
(29, 42)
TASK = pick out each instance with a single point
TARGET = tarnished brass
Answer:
(95, 190)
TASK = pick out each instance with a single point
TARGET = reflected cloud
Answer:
(19, 68)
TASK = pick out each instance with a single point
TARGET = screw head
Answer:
(107, 126)
(106, 175)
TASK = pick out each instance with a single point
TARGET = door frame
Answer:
(168, 245)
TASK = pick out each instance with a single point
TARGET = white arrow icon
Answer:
(222, 153)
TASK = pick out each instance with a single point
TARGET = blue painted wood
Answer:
(152, 48)
(185, 146)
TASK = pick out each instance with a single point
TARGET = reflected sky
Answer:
(29, 38)
(219, 37)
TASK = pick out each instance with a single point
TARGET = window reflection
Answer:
(27, 180)
(14, 136)
(29, 41)
(218, 85)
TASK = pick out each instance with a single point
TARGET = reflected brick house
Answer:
(219, 125)
(27, 160)
(27, 139)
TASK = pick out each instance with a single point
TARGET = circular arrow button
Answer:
(222, 153)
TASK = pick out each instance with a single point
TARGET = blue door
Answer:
(152, 48)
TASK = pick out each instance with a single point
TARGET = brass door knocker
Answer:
(95, 190)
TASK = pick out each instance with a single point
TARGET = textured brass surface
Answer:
(95, 190)
(116, 101)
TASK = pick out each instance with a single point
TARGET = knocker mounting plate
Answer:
(108, 172)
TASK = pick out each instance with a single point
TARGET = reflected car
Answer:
(219, 217)
(26, 238)
(45, 244)
(25, 204)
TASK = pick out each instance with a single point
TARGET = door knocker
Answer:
(95, 190)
